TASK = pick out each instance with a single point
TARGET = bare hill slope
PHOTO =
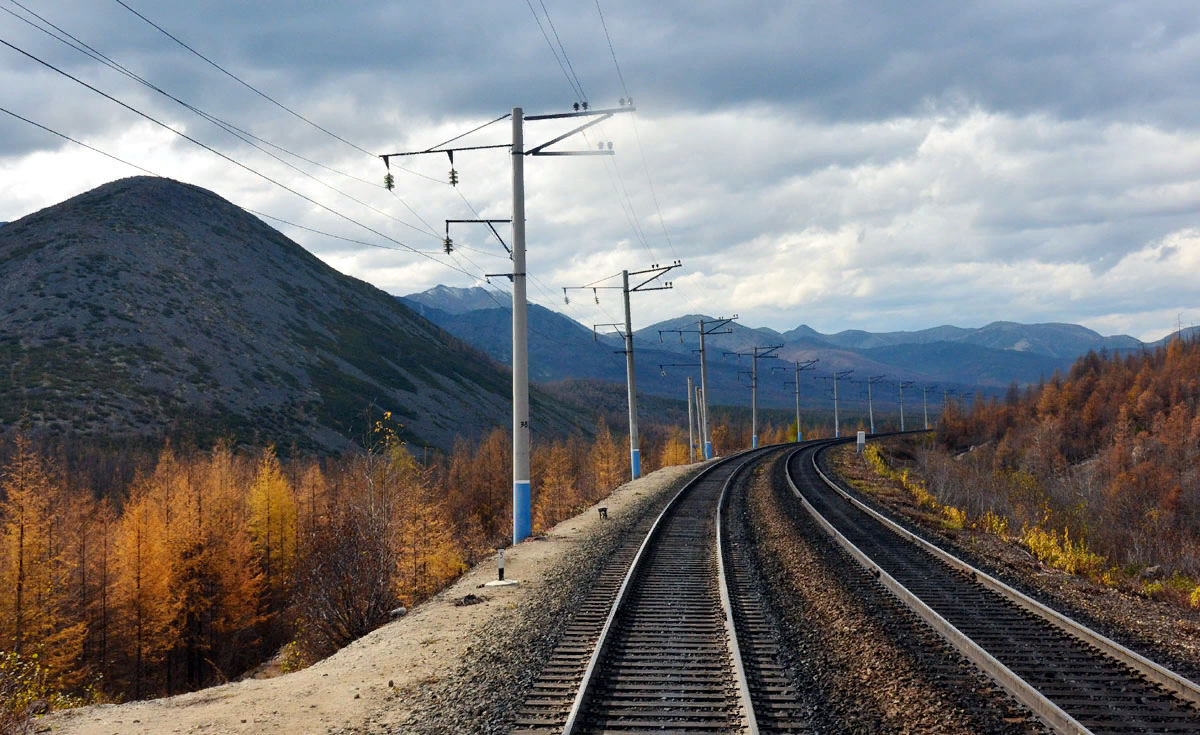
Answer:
(147, 306)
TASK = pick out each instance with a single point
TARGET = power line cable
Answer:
(214, 151)
(240, 81)
(319, 232)
(250, 211)
(243, 135)
(574, 89)
(550, 21)
(433, 148)
(612, 51)
(77, 142)
(638, 138)
(83, 47)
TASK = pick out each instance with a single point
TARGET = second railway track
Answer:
(1073, 685)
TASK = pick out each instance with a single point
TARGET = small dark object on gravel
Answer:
(470, 600)
(603, 513)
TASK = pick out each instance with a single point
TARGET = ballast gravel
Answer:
(1158, 630)
(508, 652)
(864, 661)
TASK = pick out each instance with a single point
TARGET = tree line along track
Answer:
(681, 645)
(1072, 678)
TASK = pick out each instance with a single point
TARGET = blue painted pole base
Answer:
(708, 450)
(754, 442)
(799, 435)
(635, 461)
(522, 524)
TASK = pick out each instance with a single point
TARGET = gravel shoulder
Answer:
(442, 668)
(1164, 633)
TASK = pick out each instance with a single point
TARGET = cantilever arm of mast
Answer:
(541, 149)
(489, 222)
(609, 112)
(386, 156)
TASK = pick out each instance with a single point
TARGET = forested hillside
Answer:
(1107, 455)
(161, 574)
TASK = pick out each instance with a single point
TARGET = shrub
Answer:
(1062, 553)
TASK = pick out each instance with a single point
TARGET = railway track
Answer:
(683, 646)
(1072, 678)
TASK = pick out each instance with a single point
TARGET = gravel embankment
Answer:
(864, 662)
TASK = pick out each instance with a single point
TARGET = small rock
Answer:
(399, 612)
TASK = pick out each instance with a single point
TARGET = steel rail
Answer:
(1170, 680)
(730, 629)
(1025, 693)
(593, 666)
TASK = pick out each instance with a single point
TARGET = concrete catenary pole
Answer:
(837, 424)
(704, 435)
(799, 433)
(870, 407)
(522, 516)
(691, 423)
(754, 400)
(635, 453)
(925, 402)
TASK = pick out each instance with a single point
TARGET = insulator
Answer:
(453, 177)
(448, 245)
(622, 102)
(610, 145)
(600, 146)
(389, 182)
(584, 103)
(576, 106)
(630, 100)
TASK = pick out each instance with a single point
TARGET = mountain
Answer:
(967, 364)
(456, 301)
(986, 358)
(557, 343)
(147, 307)
(1187, 333)
(1061, 341)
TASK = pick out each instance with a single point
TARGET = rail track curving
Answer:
(683, 645)
(1072, 678)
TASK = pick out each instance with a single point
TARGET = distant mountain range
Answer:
(150, 308)
(987, 358)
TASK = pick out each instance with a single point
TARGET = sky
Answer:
(847, 165)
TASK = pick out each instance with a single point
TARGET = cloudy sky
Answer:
(851, 164)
